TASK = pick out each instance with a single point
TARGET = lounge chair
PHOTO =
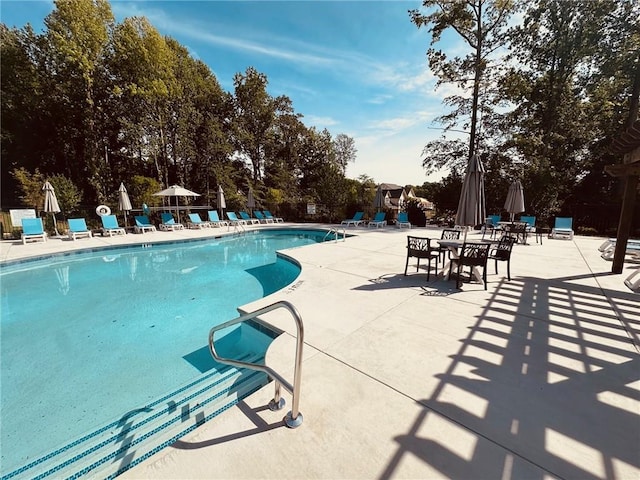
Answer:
(531, 223)
(632, 250)
(214, 219)
(247, 218)
(491, 223)
(378, 221)
(262, 218)
(169, 223)
(267, 214)
(143, 224)
(355, 221)
(78, 228)
(234, 220)
(611, 243)
(196, 222)
(32, 229)
(633, 280)
(403, 220)
(563, 227)
(110, 225)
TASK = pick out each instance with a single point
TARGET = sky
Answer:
(353, 67)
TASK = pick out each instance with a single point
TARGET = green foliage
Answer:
(415, 213)
(30, 184)
(67, 194)
(141, 190)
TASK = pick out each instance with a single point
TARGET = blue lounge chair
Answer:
(234, 220)
(491, 223)
(196, 222)
(355, 221)
(169, 223)
(403, 220)
(214, 219)
(32, 229)
(247, 218)
(262, 218)
(564, 227)
(267, 214)
(378, 221)
(143, 224)
(110, 225)
(78, 228)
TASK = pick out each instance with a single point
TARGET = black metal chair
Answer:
(502, 253)
(471, 255)
(448, 234)
(420, 247)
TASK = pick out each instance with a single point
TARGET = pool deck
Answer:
(537, 377)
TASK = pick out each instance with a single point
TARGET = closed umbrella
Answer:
(251, 201)
(176, 191)
(471, 206)
(124, 204)
(221, 202)
(51, 203)
(379, 202)
(515, 199)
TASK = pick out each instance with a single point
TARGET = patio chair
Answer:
(143, 224)
(403, 220)
(196, 222)
(110, 225)
(563, 227)
(169, 223)
(32, 229)
(247, 218)
(491, 224)
(378, 221)
(214, 219)
(502, 253)
(420, 247)
(517, 230)
(78, 228)
(267, 214)
(261, 218)
(355, 221)
(530, 221)
(472, 255)
(448, 234)
(234, 220)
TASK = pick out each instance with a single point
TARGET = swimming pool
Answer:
(88, 338)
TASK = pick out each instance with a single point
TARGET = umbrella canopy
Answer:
(51, 203)
(471, 206)
(176, 191)
(380, 200)
(251, 201)
(515, 199)
(124, 204)
(222, 204)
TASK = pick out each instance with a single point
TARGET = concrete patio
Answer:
(537, 377)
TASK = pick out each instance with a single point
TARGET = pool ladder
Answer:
(336, 231)
(294, 418)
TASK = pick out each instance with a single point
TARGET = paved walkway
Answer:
(402, 377)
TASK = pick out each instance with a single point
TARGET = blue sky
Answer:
(357, 68)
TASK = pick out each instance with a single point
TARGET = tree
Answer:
(30, 184)
(345, 150)
(67, 194)
(481, 25)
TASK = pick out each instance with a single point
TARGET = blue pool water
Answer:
(87, 337)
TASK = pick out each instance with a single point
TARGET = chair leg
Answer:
(418, 264)
(484, 276)
(496, 266)
(428, 268)
(509, 269)
(406, 265)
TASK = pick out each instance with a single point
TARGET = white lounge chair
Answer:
(32, 229)
(563, 227)
(78, 228)
(355, 221)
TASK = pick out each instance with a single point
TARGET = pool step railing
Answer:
(294, 418)
(114, 448)
(335, 231)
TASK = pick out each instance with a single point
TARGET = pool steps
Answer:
(110, 450)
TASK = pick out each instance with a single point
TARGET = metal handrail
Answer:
(293, 419)
(335, 231)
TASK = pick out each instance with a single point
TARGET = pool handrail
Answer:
(294, 418)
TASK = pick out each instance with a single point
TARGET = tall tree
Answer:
(481, 24)
(345, 150)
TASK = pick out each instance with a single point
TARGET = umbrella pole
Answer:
(125, 218)
(55, 224)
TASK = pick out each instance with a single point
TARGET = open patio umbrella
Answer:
(471, 206)
(51, 203)
(515, 199)
(124, 204)
(176, 191)
(222, 204)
